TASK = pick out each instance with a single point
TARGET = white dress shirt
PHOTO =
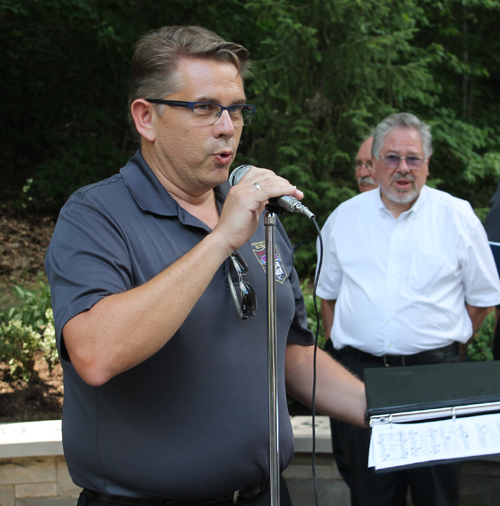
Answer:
(401, 284)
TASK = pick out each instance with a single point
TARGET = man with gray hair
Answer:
(409, 274)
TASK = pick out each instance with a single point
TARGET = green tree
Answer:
(328, 72)
(65, 70)
(325, 73)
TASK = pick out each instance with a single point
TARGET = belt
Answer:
(237, 497)
(422, 358)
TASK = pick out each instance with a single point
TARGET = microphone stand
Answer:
(270, 224)
(270, 219)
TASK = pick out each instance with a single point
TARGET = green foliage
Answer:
(18, 346)
(325, 73)
(28, 328)
(328, 72)
(85, 161)
(480, 348)
(49, 343)
(481, 213)
(34, 302)
(312, 318)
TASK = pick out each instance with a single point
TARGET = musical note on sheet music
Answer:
(404, 444)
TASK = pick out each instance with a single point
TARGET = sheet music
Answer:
(398, 444)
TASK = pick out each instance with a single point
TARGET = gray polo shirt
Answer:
(190, 422)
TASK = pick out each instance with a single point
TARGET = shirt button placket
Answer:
(391, 285)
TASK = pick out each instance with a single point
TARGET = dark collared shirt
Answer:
(190, 422)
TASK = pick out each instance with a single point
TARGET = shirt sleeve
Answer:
(86, 261)
(479, 272)
(330, 276)
(299, 332)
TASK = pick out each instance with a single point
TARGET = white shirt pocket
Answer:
(430, 273)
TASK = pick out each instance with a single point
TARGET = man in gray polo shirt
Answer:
(165, 379)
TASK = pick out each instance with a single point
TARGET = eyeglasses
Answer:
(360, 163)
(246, 303)
(412, 162)
(207, 113)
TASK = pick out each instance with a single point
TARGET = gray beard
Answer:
(366, 180)
(402, 197)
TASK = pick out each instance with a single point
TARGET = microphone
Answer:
(286, 202)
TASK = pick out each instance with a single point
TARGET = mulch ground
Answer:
(42, 399)
(23, 242)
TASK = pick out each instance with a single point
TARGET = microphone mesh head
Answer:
(238, 173)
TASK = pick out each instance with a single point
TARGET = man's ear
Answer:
(428, 160)
(142, 113)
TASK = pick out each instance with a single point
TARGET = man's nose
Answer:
(364, 171)
(224, 125)
(403, 166)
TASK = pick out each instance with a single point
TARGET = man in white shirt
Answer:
(366, 181)
(410, 275)
(363, 171)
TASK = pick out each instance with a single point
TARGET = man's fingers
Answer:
(271, 184)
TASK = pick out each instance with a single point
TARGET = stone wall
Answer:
(332, 491)
(36, 481)
(479, 482)
(33, 470)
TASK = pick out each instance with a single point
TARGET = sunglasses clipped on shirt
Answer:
(246, 300)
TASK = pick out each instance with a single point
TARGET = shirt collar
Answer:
(150, 194)
(413, 209)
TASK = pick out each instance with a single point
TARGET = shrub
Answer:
(18, 347)
(49, 344)
(312, 321)
(34, 304)
(480, 347)
(27, 329)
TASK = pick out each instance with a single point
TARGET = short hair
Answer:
(401, 120)
(154, 63)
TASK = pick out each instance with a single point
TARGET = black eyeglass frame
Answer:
(191, 105)
(358, 164)
(246, 304)
(405, 158)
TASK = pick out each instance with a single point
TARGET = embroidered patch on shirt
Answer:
(259, 249)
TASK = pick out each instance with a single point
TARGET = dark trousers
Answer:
(436, 485)
(338, 453)
(496, 340)
(264, 500)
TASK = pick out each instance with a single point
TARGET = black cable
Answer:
(313, 403)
